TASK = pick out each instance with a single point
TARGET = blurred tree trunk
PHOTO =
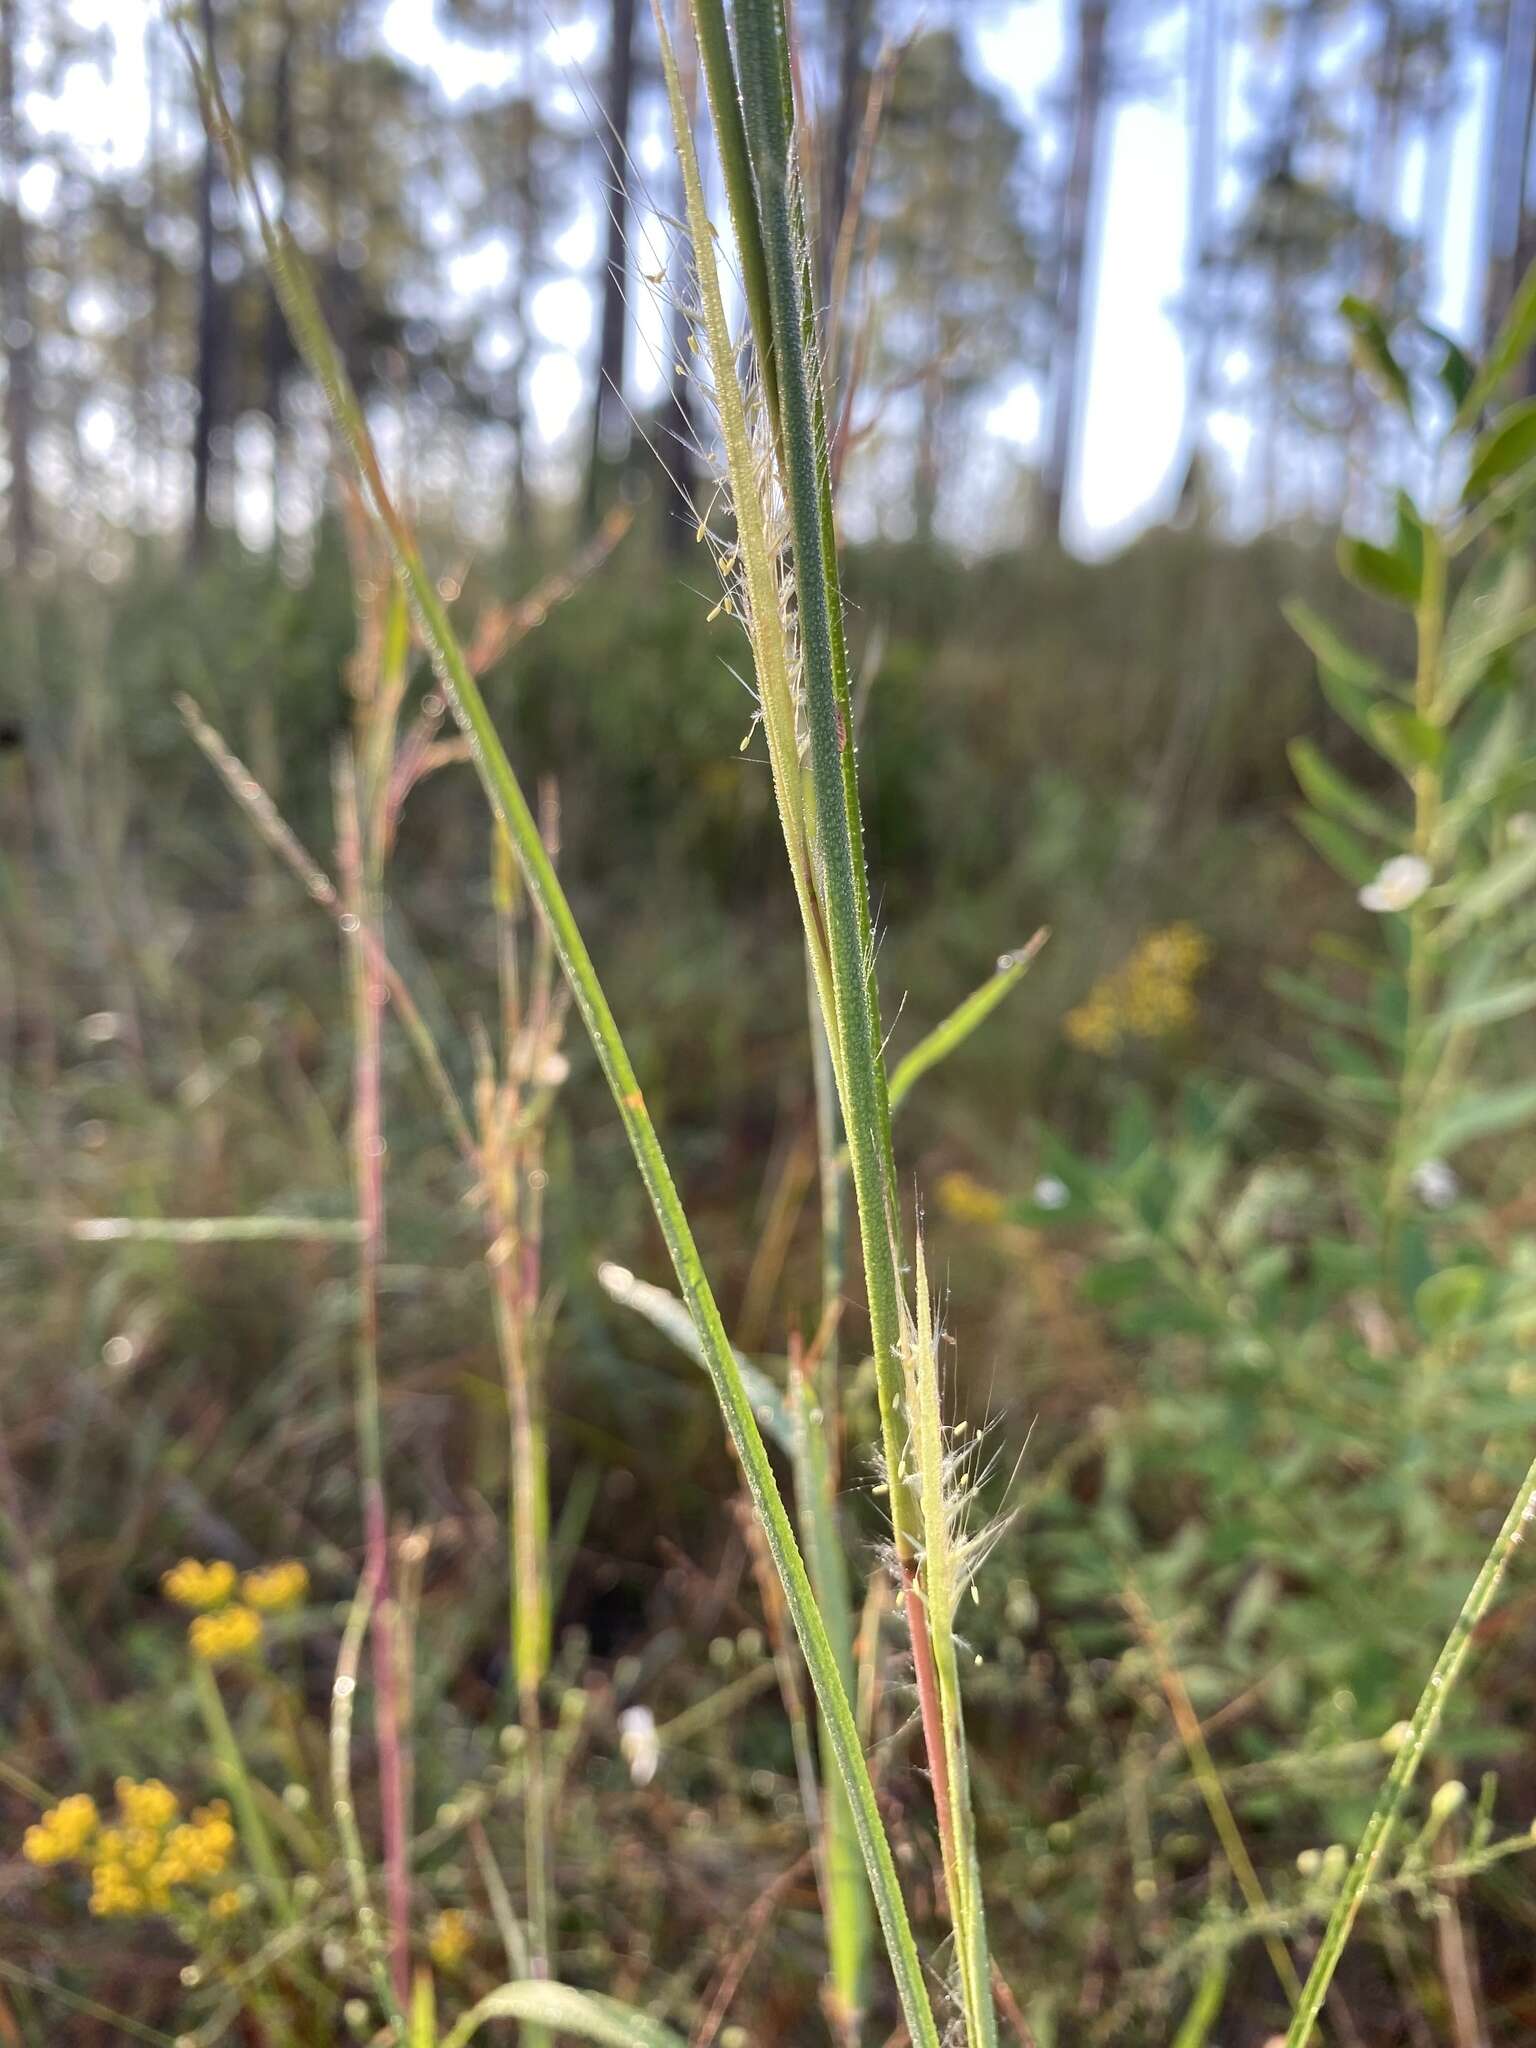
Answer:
(679, 449)
(609, 420)
(841, 143)
(208, 325)
(277, 349)
(1070, 342)
(1202, 85)
(1510, 225)
(16, 300)
(339, 180)
(526, 228)
(1509, 159)
(1282, 179)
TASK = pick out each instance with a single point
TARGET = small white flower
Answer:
(639, 1743)
(1399, 883)
(1522, 826)
(1051, 1193)
(1435, 1184)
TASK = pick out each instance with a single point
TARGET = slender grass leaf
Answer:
(962, 1020)
(585, 2014)
(664, 1312)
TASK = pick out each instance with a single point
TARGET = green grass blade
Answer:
(741, 195)
(1205, 2007)
(957, 1027)
(216, 1230)
(770, 652)
(586, 2014)
(664, 1312)
(853, 1025)
(510, 806)
(1421, 1732)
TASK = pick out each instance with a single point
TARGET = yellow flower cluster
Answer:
(148, 1852)
(449, 1939)
(227, 1632)
(62, 1833)
(276, 1587)
(192, 1584)
(226, 1626)
(965, 1198)
(1150, 995)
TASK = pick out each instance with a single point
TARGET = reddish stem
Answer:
(368, 1168)
(928, 1706)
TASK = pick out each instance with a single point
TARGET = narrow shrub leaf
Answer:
(1508, 445)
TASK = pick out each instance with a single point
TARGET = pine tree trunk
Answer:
(1203, 91)
(1069, 342)
(276, 346)
(678, 434)
(609, 420)
(16, 302)
(208, 325)
(523, 195)
(1509, 158)
(842, 141)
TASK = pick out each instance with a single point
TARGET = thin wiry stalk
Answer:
(251, 1827)
(511, 808)
(512, 1938)
(343, 1811)
(1203, 1769)
(217, 1229)
(274, 829)
(1421, 1733)
(360, 892)
(512, 1112)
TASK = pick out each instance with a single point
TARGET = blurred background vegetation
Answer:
(1240, 1492)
